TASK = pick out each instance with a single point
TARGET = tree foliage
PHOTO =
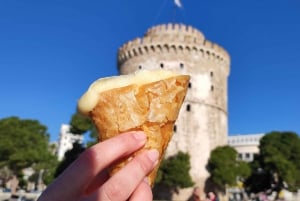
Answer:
(173, 174)
(24, 143)
(225, 168)
(81, 124)
(278, 162)
(174, 171)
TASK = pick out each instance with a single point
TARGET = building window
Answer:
(161, 65)
(247, 155)
(240, 156)
(152, 48)
(140, 67)
(190, 85)
(181, 65)
(175, 128)
(212, 87)
(211, 74)
(188, 107)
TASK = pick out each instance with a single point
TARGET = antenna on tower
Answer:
(177, 5)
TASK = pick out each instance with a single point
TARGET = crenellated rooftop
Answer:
(178, 37)
(169, 30)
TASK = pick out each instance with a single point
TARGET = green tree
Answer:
(172, 175)
(24, 143)
(278, 162)
(174, 171)
(225, 168)
(81, 125)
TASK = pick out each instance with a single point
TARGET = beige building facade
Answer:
(203, 120)
(246, 145)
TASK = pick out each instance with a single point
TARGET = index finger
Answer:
(75, 179)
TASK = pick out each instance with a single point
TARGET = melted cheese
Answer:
(90, 98)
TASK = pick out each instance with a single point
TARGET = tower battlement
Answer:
(178, 38)
(169, 29)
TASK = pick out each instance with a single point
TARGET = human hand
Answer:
(87, 178)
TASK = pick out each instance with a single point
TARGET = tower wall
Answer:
(202, 122)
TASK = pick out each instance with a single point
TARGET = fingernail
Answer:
(140, 136)
(153, 155)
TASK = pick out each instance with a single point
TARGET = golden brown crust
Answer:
(152, 107)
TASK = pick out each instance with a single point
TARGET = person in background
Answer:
(196, 195)
(87, 178)
(211, 196)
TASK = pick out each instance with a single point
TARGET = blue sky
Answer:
(50, 52)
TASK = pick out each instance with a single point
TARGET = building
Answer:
(245, 145)
(202, 124)
(66, 140)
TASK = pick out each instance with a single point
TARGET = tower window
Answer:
(212, 88)
(161, 65)
(211, 74)
(181, 65)
(175, 128)
(190, 85)
(140, 67)
(188, 107)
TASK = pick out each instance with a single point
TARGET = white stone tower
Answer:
(202, 123)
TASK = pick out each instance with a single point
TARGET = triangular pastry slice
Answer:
(146, 100)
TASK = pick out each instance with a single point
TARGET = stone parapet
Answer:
(176, 37)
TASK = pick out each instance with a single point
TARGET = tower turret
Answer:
(203, 123)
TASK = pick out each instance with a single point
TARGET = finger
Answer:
(97, 182)
(90, 163)
(121, 185)
(142, 192)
